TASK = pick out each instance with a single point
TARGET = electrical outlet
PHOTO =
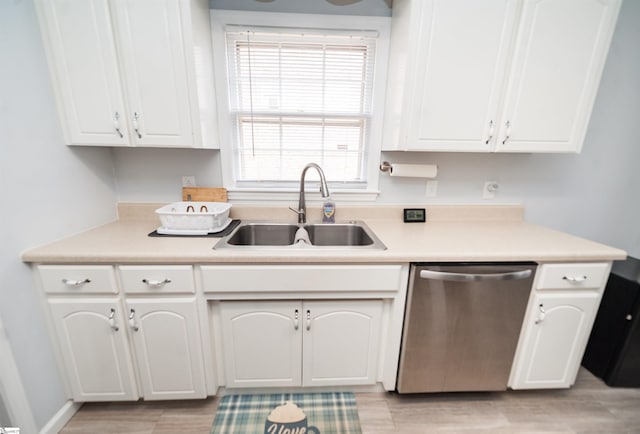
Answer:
(189, 181)
(432, 189)
(490, 189)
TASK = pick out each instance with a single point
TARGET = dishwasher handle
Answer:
(467, 277)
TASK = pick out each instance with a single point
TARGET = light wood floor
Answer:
(589, 407)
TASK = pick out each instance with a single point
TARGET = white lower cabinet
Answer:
(94, 346)
(97, 357)
(556, 337)
(262, 343)
(126, 343)
(294, 343)
(557, 325)
(167, 346)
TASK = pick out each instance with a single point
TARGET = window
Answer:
(300, 95)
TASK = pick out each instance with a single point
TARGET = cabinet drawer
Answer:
(157, 279)
(301, 278)
(86, 279)
(572, 276)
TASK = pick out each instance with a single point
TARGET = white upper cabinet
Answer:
(462, 49)
(83, 60)
(560, 52)
(124, 71)
(496, 75)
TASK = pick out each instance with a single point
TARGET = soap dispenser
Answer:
(328, 211)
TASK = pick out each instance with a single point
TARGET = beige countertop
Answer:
(452, 233)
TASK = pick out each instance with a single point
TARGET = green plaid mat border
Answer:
(330, 412)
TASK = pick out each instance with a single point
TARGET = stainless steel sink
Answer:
(343, 234)
(353, 235)
(263, 234)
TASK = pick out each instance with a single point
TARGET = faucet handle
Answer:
(301, 214)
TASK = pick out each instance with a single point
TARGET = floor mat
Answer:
(288, 413)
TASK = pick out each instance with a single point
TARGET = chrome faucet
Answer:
(324, 190)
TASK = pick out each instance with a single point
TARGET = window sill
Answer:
(291, 195)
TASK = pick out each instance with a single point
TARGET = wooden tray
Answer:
(204, 194)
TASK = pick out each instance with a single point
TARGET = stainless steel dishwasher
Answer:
(462, 324)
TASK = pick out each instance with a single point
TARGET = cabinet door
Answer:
(152, 41)
(167, 345)
(93, 341)
(462, 54)
(262, 343)
(341, 342)
(82, 57)
(560, 52)
(554, 339)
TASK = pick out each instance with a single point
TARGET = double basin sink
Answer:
(353, 235)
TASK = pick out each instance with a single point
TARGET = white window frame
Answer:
(382, 25)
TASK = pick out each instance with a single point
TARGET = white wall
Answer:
(48, 191)
(593, 194)
(155, 175)
(4, 414)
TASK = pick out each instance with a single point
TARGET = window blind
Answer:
(298, 97)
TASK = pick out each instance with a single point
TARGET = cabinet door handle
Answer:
(116, 124)
(296, 322)
(112, 320)
(308, 319)
(78, 282)
(132, 320)
(156, 283)
(507, 133)
(136, 126)
(574, 279)
(490, 134)
(541, 314)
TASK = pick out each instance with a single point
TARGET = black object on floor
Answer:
(613, 351)
(223, 233)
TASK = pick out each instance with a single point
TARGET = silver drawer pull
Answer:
(156, 283)
(575, 279)
(464, 277)
(71, 282)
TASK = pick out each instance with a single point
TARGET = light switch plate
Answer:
(432, 189)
